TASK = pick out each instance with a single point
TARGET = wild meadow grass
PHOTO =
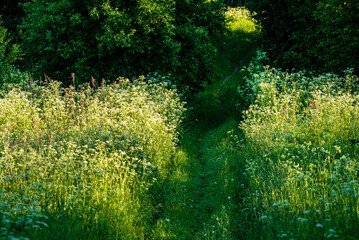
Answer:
(81, 163)
(301, 147)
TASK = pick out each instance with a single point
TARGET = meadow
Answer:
(81, 164)
(301, 150)
(258, 153)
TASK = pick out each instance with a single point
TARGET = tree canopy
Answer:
(318, 35)
(107, 39)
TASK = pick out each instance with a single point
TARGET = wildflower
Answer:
(318, 225)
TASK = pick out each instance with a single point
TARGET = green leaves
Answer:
(312, 35)
(105, 39)
(9, 54)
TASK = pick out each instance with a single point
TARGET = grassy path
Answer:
(203, 194)
(229, 76)
(200, 198)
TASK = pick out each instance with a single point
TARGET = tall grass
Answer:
(302, 146)
(78, 164)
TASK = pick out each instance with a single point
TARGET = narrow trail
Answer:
(190, 206)
(198, 202)
(229, 76)
(202, 197)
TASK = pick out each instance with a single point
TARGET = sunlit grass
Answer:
(302, 155)
(82, 164)
(237, 43)
(219, 101)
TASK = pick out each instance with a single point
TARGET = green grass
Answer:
(302, 156)
(202, 195)
(285, 168)
(105, 163)
(272, 155)
(263, 155)
(237, 46)
(84, 164)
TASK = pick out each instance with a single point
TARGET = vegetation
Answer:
(312, 35)
(107, 39)
(9, 54)
(204, 189)
(220, 99)
(260, 153)
(301, 151)
(12, 14)
(83, 164)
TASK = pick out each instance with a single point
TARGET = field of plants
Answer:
(79, 164)
(301, 151)
(204, 135)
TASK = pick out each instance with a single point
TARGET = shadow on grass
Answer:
(202, 195)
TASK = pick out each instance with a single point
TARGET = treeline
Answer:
(107, 39)
(314, 35)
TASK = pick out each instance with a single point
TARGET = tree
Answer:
(319, 35)
(338, 34)
(9, 54)
(12, 13)
(105, 39)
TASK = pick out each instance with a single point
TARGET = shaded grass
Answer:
(237, 46)
(203, 191)
(202, 196)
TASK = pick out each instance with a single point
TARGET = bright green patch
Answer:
(80, 164)
(302, 155)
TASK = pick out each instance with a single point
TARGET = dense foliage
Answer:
(313, 35)
(12, 14)
(302, 148)
(9, 54)
(107, 39)
(81, 164)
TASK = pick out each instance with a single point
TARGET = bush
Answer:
(105, 39)
(79, 164)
